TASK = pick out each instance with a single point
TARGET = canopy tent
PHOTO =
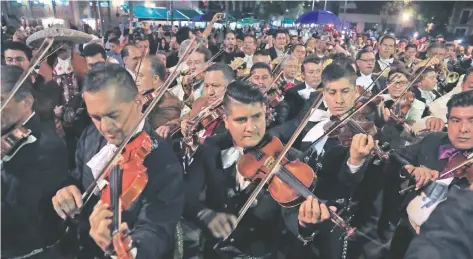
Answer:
(319, 17)
(287, 21)
(157, 13)
(248, 21)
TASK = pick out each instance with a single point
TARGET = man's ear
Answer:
(225, 120)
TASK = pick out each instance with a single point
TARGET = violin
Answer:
(287, 181)
(12, 140)
(401, 107)
(127, 179)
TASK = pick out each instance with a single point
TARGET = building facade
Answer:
(461, 19)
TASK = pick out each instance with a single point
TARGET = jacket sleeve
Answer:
(161, 205)
(448, 231)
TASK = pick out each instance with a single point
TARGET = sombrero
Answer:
(59, 33)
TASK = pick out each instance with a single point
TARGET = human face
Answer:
(366, 63)
(249, 46)
(143, 45)
(280, 41)
(386, 49)
(311, 43)
(133, 58)
(215, 85)
(173, 43)
(16, 58)
(397, 89)
(340, 96)
(290, 68)
(162, 58)
(429, 81)
(97, 58)
(196, 62)
(451, 52)
(113, 118)
(460, 127)
(467, 85)
(410, 53)
(260, 58)
(246, 123)
(312, 74)
(299, 53)
(294, 40)
(15, 112)
(115, 48)
(439, 52)
(321, 46)
(461, 50)
(261, 78)
(402, 45)
(230, 41)
(144, 77)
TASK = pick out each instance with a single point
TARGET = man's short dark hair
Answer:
(232, 32)
(114, 41)
(361, 52)
(261, 52)
(93, 49)
(260, 65)
(344, 60)
(10, 75)
(387, 36)
(252, 37)
(182, 34)
(335, 71)
(311, 59)
(411, 46)
(435, 45)
(449, 44)
(424, 73)
(125, 50)
(228, 73)
(399, 70)
(244, 93)
(106, 75)
(297, 45)
(279, 32)
(207, 53)
(14, 45)
(157, 67)
(463, 99)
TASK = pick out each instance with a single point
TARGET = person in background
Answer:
(131, 56)
(115, 51)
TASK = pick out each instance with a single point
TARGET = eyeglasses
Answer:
(401, 83)
(11, 60)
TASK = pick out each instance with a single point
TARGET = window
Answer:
(460, 32)
(464, 17)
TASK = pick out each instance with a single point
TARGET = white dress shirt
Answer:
(429, 96)
(305, 93)
(383, 63)
(364, 81)
(249, 61)
(229, 157)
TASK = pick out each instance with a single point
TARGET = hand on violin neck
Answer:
(67, 201)
(422, 175)
(100, 221)
(361, 146)
(313, 212)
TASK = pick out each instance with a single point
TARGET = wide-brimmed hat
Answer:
(59, 33)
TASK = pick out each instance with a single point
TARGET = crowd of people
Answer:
(381, 128)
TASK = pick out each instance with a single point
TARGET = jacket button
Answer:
(232, 240)
(225, 206)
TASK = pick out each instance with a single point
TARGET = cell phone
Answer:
(223, 16)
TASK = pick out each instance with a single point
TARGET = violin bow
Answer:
(160, 93)
(273, 169)
(346, 117)
(43, 49)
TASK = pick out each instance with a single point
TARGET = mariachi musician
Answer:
(437, 152)
(226, 190)
(115, 106)
(34, 166)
